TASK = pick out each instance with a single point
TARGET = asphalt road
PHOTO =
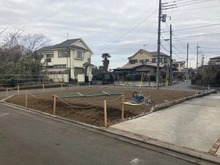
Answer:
(31, 138)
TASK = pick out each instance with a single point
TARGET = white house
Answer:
(70, 59)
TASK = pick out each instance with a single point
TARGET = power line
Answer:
(195, 27)
(197, 8)
(201, 35)
(191, 3)
(209, 47)
(128, 31)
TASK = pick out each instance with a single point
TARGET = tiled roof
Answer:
(132, 66)
(66, 43)
(155, 53)
(45, 48)
(218, 57)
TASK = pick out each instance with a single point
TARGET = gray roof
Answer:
(218, 57)
(65, 44)
(155, 53)
(45, 48)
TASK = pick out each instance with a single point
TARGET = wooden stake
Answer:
(18, 90)
(43, 87)
(6, 94)
(26, 98)
(105, 114)
(54, 104)
(61, 86)
(123, 107)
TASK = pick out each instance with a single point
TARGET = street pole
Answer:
(197, 61)
(187, 58)
(158, 44)
(187, 62)
(171, 52)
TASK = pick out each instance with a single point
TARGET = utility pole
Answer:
(158, 45)
(197, 60)
(187, 62)
(187, 58)
(171, 52)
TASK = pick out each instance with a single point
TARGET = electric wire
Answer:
(128, 31)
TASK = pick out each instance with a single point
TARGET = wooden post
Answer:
(18, 90)
(208, 87)
(43, 87)
(54, 104)
(61, 86)
(6, 94)
(89, 83)
(123, 107)
(26, 98)
(105, 115)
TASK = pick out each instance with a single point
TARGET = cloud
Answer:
(111, 26)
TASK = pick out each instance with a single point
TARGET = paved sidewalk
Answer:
(194, 124)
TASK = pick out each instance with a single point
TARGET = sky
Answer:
(120, 27)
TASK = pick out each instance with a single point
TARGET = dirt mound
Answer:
(90, 109)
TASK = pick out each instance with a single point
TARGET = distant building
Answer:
(215, 60)
(144, 61)
(70, 59)
(178, 65)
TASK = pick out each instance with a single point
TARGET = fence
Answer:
(12, 80)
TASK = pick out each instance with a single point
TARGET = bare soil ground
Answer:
(90, 109)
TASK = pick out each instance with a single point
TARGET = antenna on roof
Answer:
(67, 35)
(144, 46)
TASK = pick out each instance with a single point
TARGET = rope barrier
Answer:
(77, 107)
(115, 99)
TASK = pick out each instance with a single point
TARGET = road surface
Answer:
(32, 138)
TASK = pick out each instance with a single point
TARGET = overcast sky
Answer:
(120, 27)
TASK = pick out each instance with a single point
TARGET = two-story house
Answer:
(144, 61)
(215, 60)
(70, 59)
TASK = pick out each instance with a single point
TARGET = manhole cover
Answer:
(3, 114)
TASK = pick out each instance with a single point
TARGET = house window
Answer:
(132, 61)
(154, 60)
(59, 66)
(217, 62)
(144, 60)
(165, 60)
(78, 71)
(89, 60)
(79, 54)
(62, 53)
(48, 57)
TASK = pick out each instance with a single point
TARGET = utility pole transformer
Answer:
(158, 45)
(171, 52)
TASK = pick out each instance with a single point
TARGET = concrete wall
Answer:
(58, 77)
(137, 83)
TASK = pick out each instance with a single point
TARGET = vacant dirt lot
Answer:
(90, 109)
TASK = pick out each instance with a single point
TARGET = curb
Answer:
(171, 103)
(141, 139)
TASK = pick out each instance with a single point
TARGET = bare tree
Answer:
(32, 42)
